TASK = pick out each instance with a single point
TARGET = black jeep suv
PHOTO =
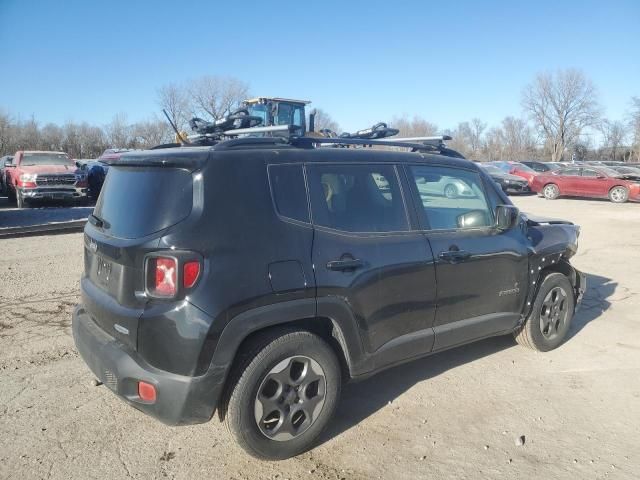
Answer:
(253, 277)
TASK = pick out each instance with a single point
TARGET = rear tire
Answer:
(618, 194)
(282, 392)
(548, 323)
(551, 191)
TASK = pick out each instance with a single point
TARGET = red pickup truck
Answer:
(36, 175)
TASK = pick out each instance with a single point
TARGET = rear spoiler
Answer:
(191, 158)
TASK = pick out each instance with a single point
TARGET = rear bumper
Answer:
(181, 400)
(54, 193)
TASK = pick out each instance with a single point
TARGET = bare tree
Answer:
(414, 127)
(518, 138)
(119, 132)
(7, 133)
(614, 134)
(634, 124)
(174, 99)
(150, 133)
(494, 145)
(561, 106)
(323, 120)
(468, 138)
(216, 96)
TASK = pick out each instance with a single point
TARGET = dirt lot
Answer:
(452, 415)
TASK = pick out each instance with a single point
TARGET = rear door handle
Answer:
(454, 256)
(346, 264)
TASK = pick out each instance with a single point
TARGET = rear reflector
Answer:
(163, 272)
(147, 392)
(190, 273)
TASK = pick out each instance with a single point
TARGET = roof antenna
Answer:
(175, 129)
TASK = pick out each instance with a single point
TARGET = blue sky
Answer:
(360, 61)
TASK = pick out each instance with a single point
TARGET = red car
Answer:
(588, 181)
(44, 175)
(517, 168)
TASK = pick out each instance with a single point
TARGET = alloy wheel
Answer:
(618, 194)
(553, 313)
(290, 398)
(551, 192)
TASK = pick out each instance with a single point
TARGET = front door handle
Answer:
(345, 264)
(454, 256)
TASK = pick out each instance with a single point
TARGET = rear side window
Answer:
(451, 198)
(138, 201)
(357, 198)
(570, 172)
(289, 192)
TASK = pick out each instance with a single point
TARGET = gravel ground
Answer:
(457, 414)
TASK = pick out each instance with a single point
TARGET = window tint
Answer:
(288, 190)
(137, 201)
(451, 198)
(357, 198)
(589, 173)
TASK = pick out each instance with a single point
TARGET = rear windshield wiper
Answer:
(96, 221)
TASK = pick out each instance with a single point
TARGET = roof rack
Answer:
(343, 142)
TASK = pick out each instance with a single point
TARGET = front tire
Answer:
(283, 393)
(618, 194)
(548, 323)
(20, 201)
(551, 191)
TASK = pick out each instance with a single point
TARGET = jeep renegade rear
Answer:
(253, 277)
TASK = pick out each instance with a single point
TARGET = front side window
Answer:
(451, 198)
(357, 198)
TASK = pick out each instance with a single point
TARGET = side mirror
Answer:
(506, 217)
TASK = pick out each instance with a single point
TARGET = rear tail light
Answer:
(147, 392)
(163, 273)
(168, 277)
(190, 274)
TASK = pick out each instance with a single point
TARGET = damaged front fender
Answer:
(552, 244)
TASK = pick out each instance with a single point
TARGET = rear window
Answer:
(45, 159)
(135, 202)
(289, 192)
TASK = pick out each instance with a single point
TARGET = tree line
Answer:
(559, 119)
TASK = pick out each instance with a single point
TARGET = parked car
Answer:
(253, 277)
(590, 182)
(628, 171)
(4, 161)
(604, 163)
(509, 183)
(542, 167)
(449, 187)
(35, 175)
(518, 169)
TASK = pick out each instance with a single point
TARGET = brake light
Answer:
(163, 272)
(190, 274)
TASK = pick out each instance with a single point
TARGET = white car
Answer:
(446, 186)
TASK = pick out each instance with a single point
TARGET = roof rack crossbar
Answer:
(250, 141)
(337, 141)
